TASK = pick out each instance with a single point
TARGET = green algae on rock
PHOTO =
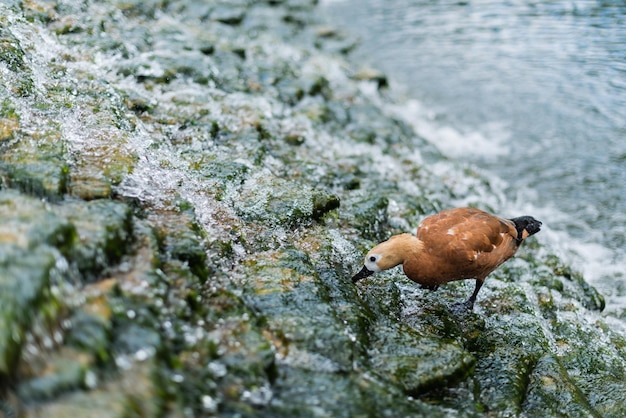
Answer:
(25, 278)
(186, 190)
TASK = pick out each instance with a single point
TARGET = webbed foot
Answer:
(467, 306)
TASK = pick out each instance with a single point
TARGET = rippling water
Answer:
(533, 92)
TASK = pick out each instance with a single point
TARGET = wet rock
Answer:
(368, 125)
(285, 292)
(222, 174)
(596, 369)
(134, 8)
(228, 15)
(104, 162)
(324, 203)
(12, 53)
(372, 75)
(275, 201)
(24, 279)
(574, 285)
(132, 393)
(181, 239)
(308, 393)
(417, 363)
(65, 371)
(334, 41)
(27, 222)
(90, 332)
(104, 231)
(9, 120)
(551, 392)
(37, 165)
(370, 216)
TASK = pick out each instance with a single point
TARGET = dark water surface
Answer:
(533, 92)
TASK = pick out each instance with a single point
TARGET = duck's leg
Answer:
(429, 287)
(469, 304)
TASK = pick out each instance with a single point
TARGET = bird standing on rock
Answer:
(455, 244)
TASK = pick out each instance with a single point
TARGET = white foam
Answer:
(489, 141)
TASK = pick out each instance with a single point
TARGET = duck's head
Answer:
(384, 256)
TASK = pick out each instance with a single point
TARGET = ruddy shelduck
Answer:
(455, 244)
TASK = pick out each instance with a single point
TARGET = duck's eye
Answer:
(373, 259)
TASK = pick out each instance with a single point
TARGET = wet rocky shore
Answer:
(187, 188)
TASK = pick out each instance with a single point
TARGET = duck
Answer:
(454, 244)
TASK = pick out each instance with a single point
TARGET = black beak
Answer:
(365, 272)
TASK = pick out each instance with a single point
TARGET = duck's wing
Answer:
(464, 235)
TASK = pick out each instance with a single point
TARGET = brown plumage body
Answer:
(455, 244)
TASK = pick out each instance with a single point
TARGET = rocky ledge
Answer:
(187, 188)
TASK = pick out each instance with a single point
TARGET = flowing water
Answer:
(533, 93)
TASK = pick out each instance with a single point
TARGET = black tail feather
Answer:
(528, 224)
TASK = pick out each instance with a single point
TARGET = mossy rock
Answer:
(414, 362)
(225, 367)
(105, 233)
(24, 289)
(90, 333)
(573, 284)
(551, 392)
(12, 53)
(181, 239)
(283, 288)
(102, 164)
(130, 393)
(278, 202)
(249, 310)
(9, 121)
(369, 125)
(597, 369)
(221, 174)
(502, 376)
(27, 222)
(303, 393)
(506, 351)
(368, 214)
(64, 371)
(40, 170)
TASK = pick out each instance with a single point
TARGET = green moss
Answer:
(38, 165)
(11, 52)
(24, 278)
(44, 179)
(502, 377)
(181, 239)
(104, 233)
(275, 201)
(8, 110)
(63, 375)
(305, 393)
(222, 174)
(324, 203)
(90, 333)
(417, 363)
(256, 315)
(27, 222)
(284, 289)
(369, 216)
(551, 392)
(577, 287)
